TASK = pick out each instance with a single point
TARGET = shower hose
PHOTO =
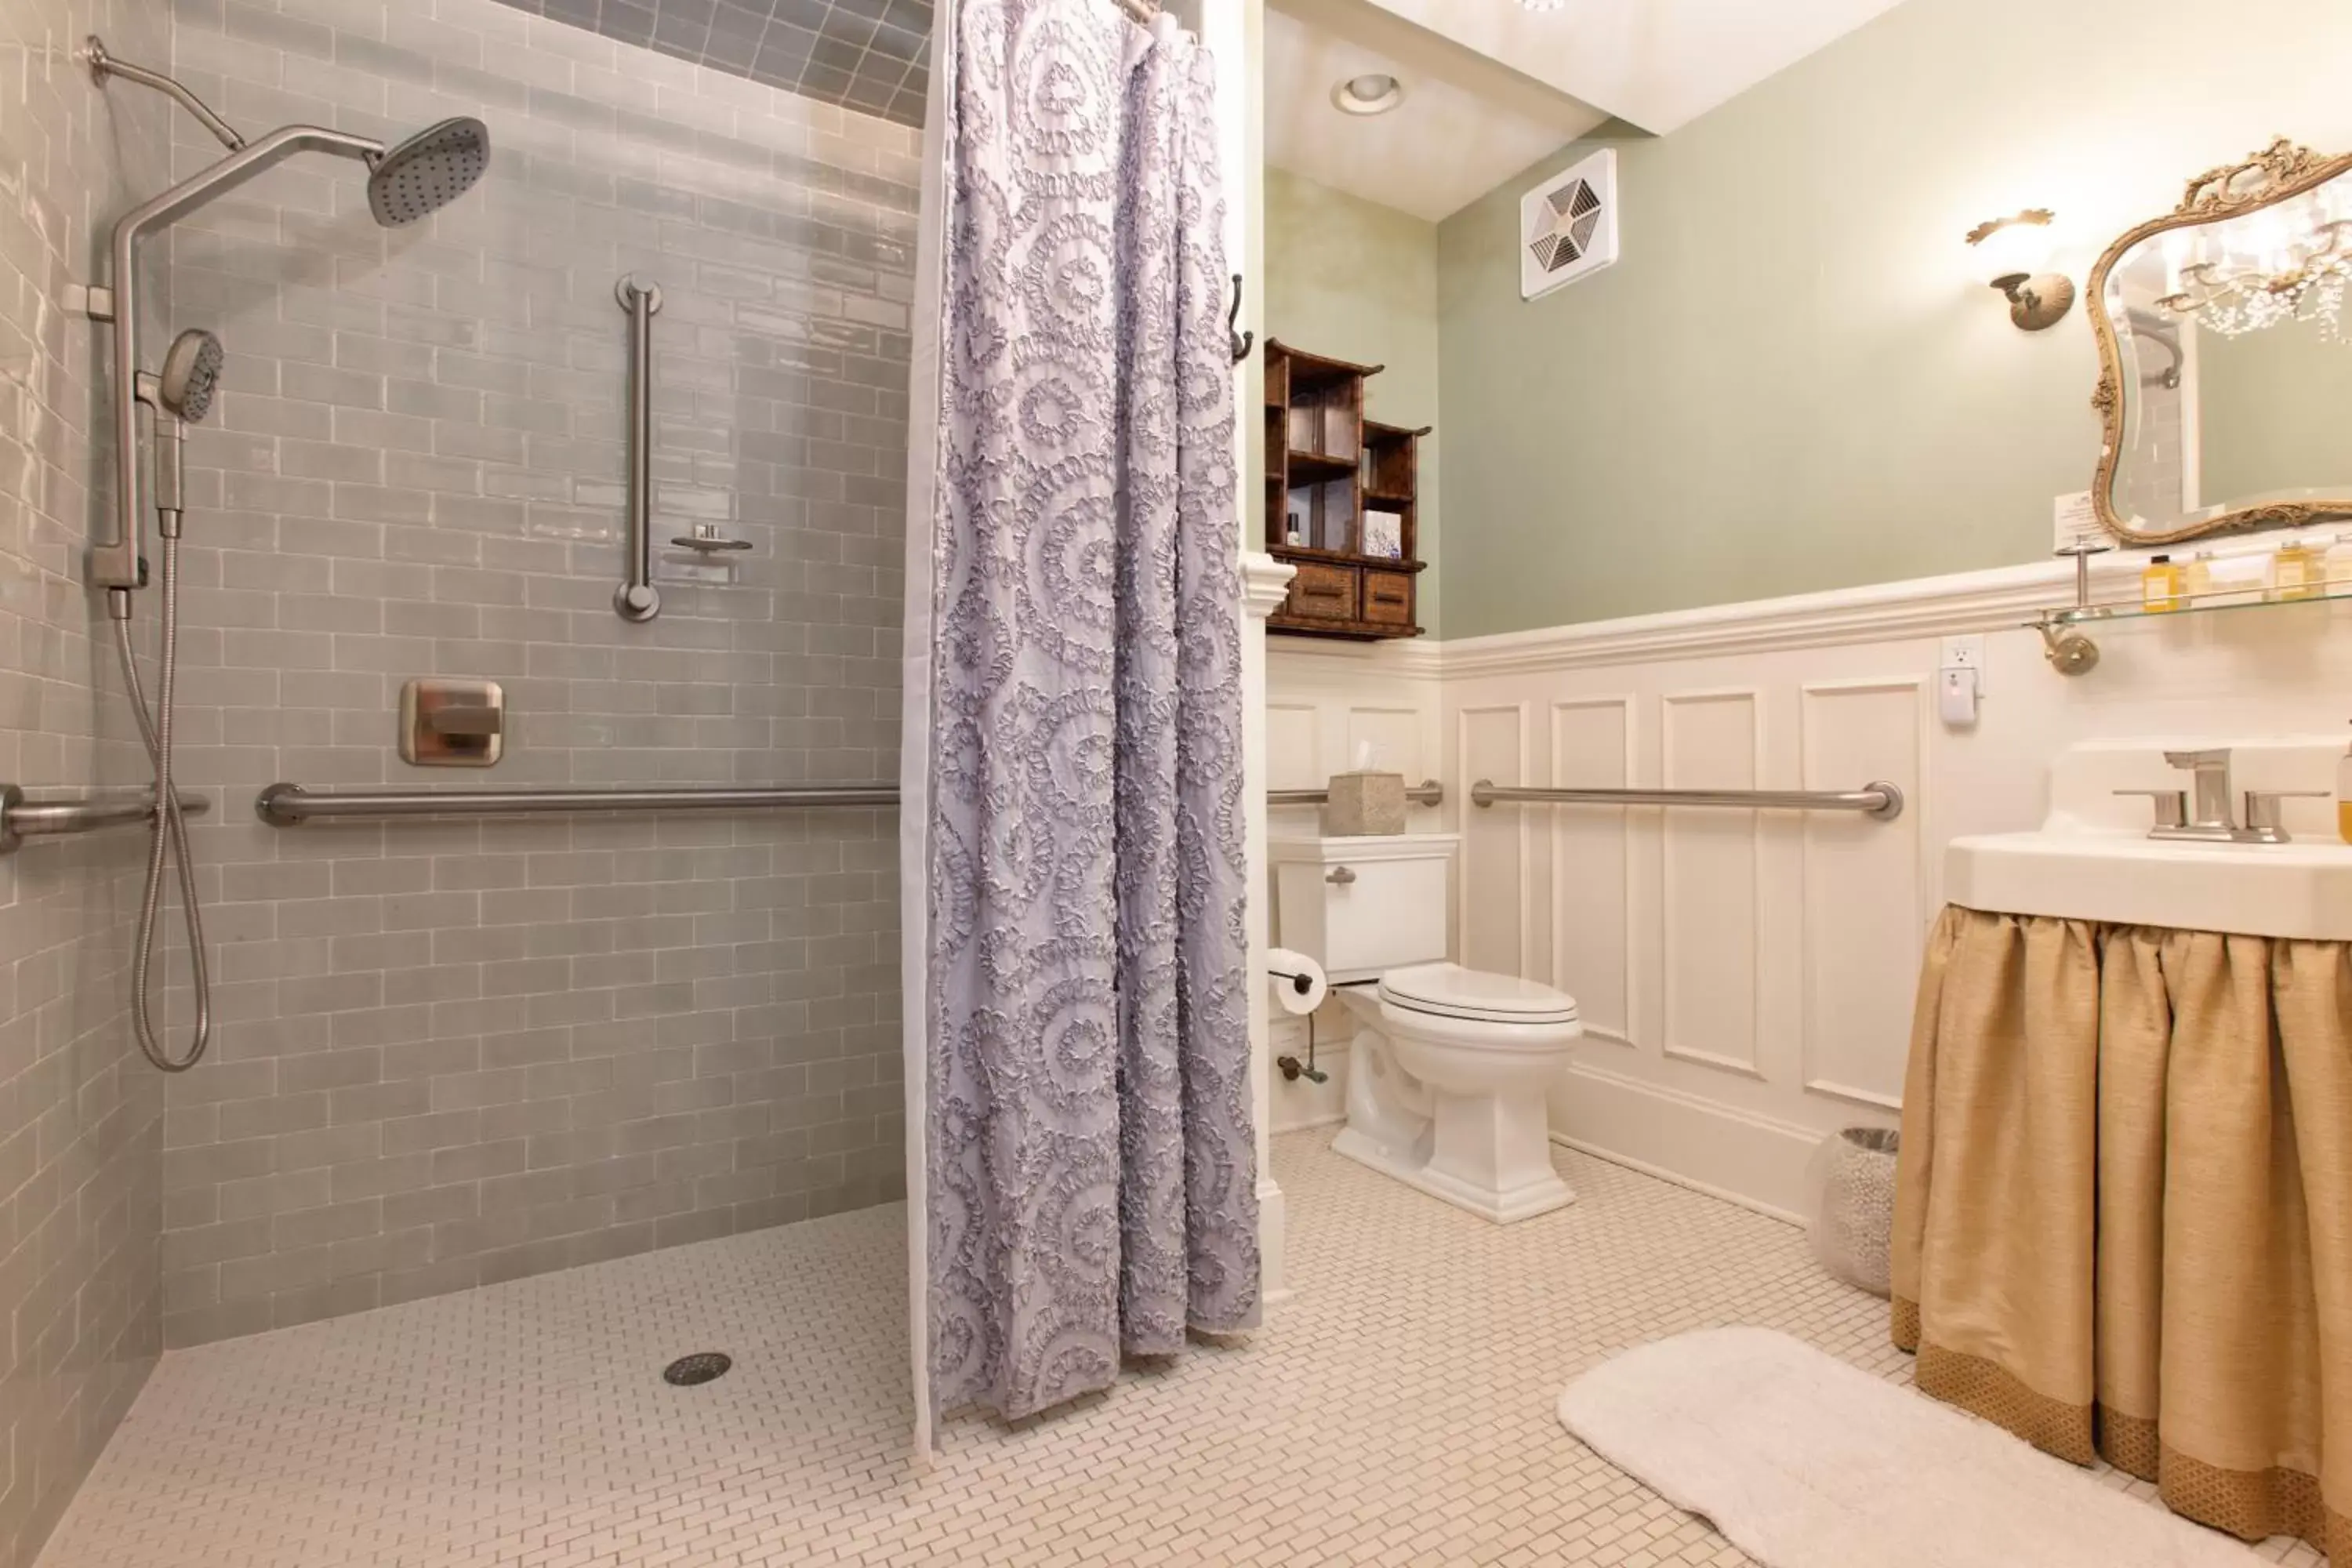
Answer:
(168, 829)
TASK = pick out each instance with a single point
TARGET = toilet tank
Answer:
(1361, 906)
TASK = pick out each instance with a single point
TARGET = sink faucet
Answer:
(2205, 810)
(2210, 815)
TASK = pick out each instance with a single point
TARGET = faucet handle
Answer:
(2265, 818)
(2171, 804)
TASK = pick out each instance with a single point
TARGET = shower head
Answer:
(428, 172)
(190, 373)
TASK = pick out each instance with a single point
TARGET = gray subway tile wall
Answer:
(80, 1112)
(455, 1052)
(868, 55)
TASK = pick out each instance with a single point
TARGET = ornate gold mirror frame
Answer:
(2279, 172)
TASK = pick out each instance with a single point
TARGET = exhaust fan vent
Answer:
(1568, 225)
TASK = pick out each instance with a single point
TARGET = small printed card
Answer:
(2074, 526)
(1383, 534)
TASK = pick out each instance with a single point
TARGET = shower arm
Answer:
(104, 65)
(114, 563)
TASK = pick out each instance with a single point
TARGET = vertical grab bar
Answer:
(637, 599)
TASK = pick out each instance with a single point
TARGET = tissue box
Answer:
(1364, 803)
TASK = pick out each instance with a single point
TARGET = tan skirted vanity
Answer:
(2123, 1226)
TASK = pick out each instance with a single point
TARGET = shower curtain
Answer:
(1081, 1164)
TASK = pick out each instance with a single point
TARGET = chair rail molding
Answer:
(1914, 607)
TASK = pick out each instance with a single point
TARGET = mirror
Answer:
(2225, 355)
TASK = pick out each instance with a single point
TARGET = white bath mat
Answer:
(1805, 1462)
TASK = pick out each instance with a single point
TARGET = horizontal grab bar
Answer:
(286, 804)
(1880, 799)
(21, 819)
(1428, 792)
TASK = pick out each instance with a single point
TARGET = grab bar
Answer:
(1880, 799)
(287, 804)
(1428, 792)
(21, 819)
(637, 599)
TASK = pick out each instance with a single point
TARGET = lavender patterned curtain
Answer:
(1089, 1182)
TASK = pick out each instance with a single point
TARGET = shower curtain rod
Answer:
(288, 804)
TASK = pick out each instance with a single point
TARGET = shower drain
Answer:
(701, 1367)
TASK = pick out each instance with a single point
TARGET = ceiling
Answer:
(1491, 87)
(1446, 143)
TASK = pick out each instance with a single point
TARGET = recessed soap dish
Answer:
(706, 539)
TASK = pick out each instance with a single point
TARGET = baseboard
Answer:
(1756, 1161)
(1273, 1245)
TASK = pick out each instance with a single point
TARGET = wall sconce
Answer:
(2020, 244)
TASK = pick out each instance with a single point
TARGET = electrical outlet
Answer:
(1966, 653)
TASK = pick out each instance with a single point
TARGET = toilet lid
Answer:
(1450, 990)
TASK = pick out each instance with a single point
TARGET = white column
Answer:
(1264, 582)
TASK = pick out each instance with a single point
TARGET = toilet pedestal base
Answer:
(1480, 1153)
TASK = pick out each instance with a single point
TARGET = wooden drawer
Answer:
(1322, 593)
(1388, 598)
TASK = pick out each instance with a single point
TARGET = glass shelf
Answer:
(2238, 598)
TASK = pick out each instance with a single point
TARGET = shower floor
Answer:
(1398, 1411)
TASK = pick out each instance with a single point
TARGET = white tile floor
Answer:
(1399, 1411)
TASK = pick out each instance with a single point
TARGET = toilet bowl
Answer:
(1451, 1067)
(1447, 1083)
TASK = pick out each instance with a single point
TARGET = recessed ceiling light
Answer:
(1375, 92)
(1542, 4)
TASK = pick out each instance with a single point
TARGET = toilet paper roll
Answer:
(1298, 981)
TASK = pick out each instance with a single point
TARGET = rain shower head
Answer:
(428, 172)
(190, 373)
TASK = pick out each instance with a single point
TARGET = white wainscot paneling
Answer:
(1864, 886)
(1391, 737)
(1294, 746)
(1746, 977)
(1711, 916)
(1592, 920)
(1492, 911)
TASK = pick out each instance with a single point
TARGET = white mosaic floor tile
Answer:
(1398, 1411)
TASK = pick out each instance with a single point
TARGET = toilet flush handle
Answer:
(1340, 875)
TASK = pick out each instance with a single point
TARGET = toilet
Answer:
(1450, 1065)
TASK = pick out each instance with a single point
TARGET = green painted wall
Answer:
(1795, 378)
(1359, 281)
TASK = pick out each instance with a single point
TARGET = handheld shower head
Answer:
(191, 375)
(424, 173)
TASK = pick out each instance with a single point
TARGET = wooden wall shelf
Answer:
(1348, 487)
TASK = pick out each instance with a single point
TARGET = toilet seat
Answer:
(1451, 991)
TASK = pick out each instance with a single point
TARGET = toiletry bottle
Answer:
(2296, 571)
(2159, 586)
(2196, 581)
(2338, 565)
(2344, 798)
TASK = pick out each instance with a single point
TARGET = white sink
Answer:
(2299, 890)
(2093, 860)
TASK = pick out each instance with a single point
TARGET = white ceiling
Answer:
(1492, 87)
(1443, 146)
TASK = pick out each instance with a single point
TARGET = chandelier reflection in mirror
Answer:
(2281, 264)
